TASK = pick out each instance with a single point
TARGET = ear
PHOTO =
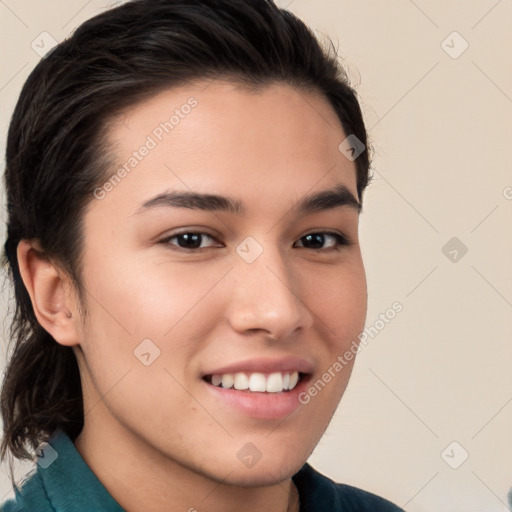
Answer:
(50, 293)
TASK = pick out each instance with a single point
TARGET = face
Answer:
(189, 295)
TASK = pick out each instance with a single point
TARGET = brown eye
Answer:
(316, 241)
(189, 240)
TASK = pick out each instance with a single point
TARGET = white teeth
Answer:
(216, 380)
(275, 383)
(227, 380)
(294, 378)
(241, 381)
(257, 382)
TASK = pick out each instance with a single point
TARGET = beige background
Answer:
(441, 129)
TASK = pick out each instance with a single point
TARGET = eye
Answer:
(315, 241)
(188, 240)
(193, 241)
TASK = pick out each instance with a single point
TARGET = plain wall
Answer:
(440, 120)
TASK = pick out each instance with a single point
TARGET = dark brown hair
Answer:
(56, 154)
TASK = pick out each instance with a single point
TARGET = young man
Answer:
(184, 182)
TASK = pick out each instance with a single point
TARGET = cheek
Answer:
(339, 301)
(140, 300)
(141, 315)
(160, 309)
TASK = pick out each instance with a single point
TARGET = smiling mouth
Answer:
(256, 382)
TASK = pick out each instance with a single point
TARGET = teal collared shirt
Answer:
(63, 482)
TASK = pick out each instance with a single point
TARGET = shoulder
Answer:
(29, 496)
(318, 493)
(60, 480)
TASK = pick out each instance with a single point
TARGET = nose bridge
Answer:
(267, 292)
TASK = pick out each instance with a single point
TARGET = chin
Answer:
(262, 474)
(231, 468)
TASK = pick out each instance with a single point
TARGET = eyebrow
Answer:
(311, 203)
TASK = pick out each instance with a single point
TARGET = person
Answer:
(184, 183)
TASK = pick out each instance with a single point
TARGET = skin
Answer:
(152, 434)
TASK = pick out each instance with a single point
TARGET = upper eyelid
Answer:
(189, 231)
(347, 239)
(193, 231)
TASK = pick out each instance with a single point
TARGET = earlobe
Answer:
(49, 293)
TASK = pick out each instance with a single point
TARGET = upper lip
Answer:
(265, 365)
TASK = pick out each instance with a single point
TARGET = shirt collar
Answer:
(69, 482)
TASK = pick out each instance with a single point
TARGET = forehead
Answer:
(223, 138)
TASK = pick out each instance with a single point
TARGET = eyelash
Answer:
(341, 240)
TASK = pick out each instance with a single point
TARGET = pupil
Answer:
(316, 238)
(192, 240)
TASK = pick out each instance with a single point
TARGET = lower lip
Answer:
(261, 405)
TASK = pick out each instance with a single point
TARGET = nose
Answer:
(267, 297)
